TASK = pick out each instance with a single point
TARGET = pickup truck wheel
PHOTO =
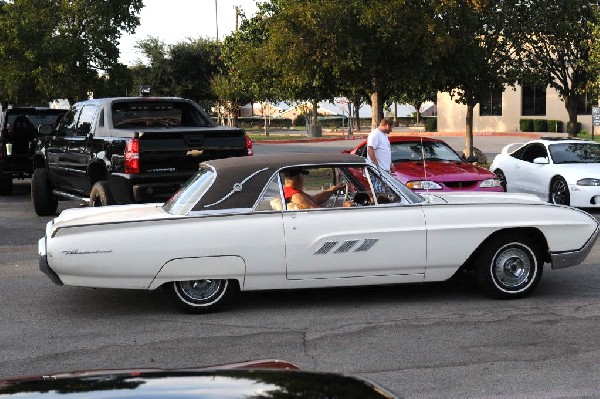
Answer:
(6, 184)
(509, 267)
(101, 195)
(44, 202)
(203, 296)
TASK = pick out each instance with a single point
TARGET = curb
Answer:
(415, 134)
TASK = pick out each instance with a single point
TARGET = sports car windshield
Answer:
(428, 150)
(575, 153)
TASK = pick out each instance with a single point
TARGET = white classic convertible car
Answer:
(228, 229)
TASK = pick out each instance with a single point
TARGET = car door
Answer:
(356, 242)
(531, 175)
(79, 153)
(59, 166)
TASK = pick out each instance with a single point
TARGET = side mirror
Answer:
(45, 130)
(540, 160)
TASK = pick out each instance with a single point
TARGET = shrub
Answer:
(299, 120)
(555, 126)
(431, 125)
(540, 125)
(526, 125)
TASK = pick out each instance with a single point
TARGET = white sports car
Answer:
(561, 171)
(227, 230)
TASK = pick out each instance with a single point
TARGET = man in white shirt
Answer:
(378, 145)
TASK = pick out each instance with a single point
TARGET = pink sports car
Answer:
(427, 164)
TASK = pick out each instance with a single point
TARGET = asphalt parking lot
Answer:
(423, 341)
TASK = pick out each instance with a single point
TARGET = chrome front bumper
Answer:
(561, 260)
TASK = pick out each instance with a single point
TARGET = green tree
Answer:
(553, 40)
(193, 64)
(55, 48)
(249, 65)
(156, 72)
(475, 56)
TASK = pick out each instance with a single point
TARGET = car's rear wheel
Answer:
(101, 195)
(559, 191)
(500, 175)
(203, 296)
(509, 266)
(44, 202)
(6, 184)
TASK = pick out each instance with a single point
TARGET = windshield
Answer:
(35, 118)
(417, 150)
(575, 153)
(141, 114)
(190, 193)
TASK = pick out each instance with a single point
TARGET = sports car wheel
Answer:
(559, 191)
(500, 175)
(509, 267)
(203, 296)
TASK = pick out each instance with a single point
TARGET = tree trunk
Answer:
(356, 115)
(418, 113)
(376, 109)
(573, 126)
(469, 133)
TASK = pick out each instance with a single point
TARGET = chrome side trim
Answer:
(561, 260)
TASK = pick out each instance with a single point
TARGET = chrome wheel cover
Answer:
(513, 267)
(200, 292)
(559, 192)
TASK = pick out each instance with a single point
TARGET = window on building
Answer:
(492, 104)
(534, 100)
(585, 102)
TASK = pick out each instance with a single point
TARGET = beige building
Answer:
(502, 112)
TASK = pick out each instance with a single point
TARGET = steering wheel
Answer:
(338, 193)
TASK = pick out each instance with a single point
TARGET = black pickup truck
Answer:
(127, 150)
(18, 137)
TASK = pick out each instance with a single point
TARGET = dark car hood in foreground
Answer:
(217, 384)
(441, 171)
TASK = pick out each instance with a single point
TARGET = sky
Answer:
(174, 21)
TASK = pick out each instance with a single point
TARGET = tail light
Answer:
(132, 156)
(249, 146)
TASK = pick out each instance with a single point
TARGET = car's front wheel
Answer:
(502, 177)
(559, 191)
(509, 266)
(44, 202)
(203, 296)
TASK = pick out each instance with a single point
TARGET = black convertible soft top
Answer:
(241, 180)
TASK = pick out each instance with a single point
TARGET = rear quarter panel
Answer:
(131, 254)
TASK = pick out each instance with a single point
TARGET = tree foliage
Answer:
(553, 40)
(56, 48)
